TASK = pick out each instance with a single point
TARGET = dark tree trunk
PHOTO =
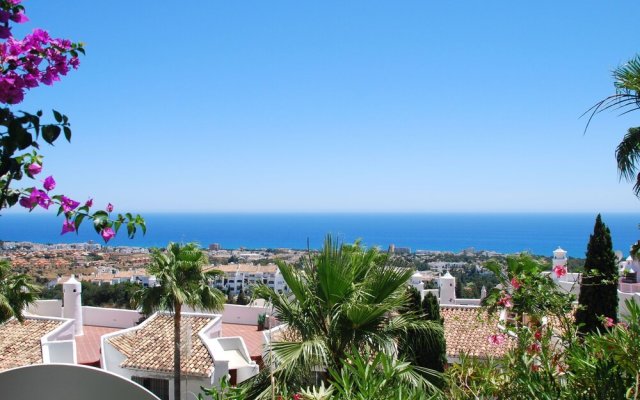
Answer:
(176, 352)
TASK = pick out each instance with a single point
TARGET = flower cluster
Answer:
(68, 206)
(36, 59)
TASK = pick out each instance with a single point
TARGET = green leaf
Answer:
(50, 133)
(116, 226)
(67, 133)
(57, 116)
(78, 221)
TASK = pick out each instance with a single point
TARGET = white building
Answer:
(242, 276)
(144, 354)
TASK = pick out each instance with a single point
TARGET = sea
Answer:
(537, 233)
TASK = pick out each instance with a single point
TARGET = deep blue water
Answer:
(505, 233)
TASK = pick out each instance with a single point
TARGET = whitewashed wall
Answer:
(46, 308)
(110, 317)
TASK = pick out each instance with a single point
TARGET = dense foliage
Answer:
(599, 286)
(343, 297)
(419, 349)
(16, 292)
(118, 295)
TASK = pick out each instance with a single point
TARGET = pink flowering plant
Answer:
(525, 292)
(537, 318)
(25, 64)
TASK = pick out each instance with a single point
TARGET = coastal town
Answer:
(93, 262)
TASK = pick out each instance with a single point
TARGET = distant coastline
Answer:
(538, 233)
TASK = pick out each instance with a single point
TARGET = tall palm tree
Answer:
(16, 292)
(178, 270)
(343, 298)
(627, 99)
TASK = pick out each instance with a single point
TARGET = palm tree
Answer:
(178, 270)
(345, 297)
(16, 292)
(627, 99)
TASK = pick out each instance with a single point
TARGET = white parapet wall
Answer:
(237, 314)
(110, 317)
(46, 308)
(59, 345)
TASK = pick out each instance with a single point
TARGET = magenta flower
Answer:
(515, 283)
(608, 322)
(560, 271)
(68, 226)
(26, 202)
(107, 233)
(19, 18)
(89, 203)
(42, 198)
(49, 183)
(5, 32)
(109, 207)
(34, 169)
(497, 340)
(67, 204)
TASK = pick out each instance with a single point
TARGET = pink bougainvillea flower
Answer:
(623, 325)
(535, 367)
(19, 18)
(515, 283)
(506, 301)
(34, 168)
(67, 204)
(68, 226)
(608, 322)
(26, 202)
(49, 183)
(107, 233)
(109, 207)
(297, 396)
(497, 339)
(5, 32)
(42, 198)
(89, 203)
(560, 271)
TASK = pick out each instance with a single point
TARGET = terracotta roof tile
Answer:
(20, 343)
(467, 330)
(151, 346)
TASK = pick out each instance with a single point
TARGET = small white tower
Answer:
(483, 292)
(447, 289)
(72, 295)
(416, 282)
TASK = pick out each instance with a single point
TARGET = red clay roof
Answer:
(20, 342)
(467, 331)
(150, 347)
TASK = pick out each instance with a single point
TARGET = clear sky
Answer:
(388, 106)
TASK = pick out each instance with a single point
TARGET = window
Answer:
(159, 387)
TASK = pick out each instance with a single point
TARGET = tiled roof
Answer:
(20, 343)
(150, 347)
(467, 330)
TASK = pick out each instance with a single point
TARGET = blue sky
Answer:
(340, 106)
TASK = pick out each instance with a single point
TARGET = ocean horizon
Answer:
(537, 233)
